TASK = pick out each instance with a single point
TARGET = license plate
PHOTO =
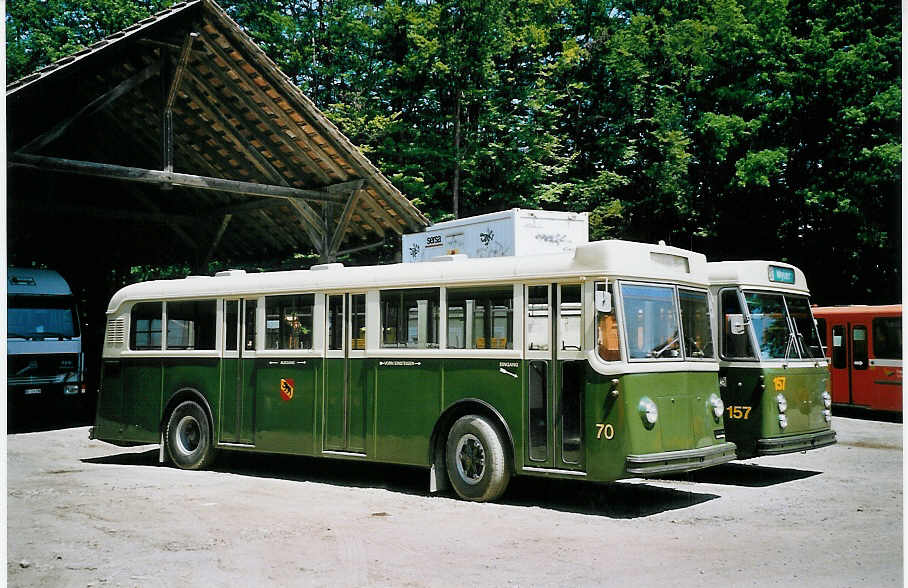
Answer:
(32, 391)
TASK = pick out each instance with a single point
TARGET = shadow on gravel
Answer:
(38, 420)
(615, 500)
(146, 458)
(865, 414)
(745, 474)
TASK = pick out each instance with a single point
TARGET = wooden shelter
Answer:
(177, 140)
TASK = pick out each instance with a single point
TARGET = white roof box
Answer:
(515, 232)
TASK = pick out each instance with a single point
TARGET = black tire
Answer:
(188, 437)
(476, 460)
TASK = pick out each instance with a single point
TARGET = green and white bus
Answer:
(774, 375)
(594, 365)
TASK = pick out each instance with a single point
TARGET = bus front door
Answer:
(237, 414)
(861, 376)
(344, 400)
(840, 374)
(555, 377)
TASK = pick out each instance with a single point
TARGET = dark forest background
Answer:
(744, 130)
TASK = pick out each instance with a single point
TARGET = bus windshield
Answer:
(651, 322)
(770, 325)
(808, 341)
(41, 317)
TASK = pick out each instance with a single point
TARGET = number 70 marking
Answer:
(604, 430)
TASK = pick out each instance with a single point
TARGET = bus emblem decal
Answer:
(287, 387)
(779, 383)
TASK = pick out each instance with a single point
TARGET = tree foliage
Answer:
(766, 129)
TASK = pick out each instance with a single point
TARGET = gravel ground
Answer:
(85, 513)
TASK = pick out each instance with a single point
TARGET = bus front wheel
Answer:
(188, 437)
(476, 460)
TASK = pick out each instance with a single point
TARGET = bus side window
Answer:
(859, 347)
(249, 325)
(537, 318)
(289, 321)
(838, 347)
(191, 325)
(145, 326)
(735, 336)
(607, 329)
(570, 314)
(358, 321)
(887, 338)
(409, 318)
(481, 318)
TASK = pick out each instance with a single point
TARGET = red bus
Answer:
(864, 344)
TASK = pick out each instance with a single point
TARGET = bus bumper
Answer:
(779, 445)
(680, 461)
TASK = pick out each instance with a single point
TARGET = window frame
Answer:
(624, 325)
(710, 312)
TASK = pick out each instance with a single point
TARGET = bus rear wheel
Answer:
(188, 437)
(476, 460)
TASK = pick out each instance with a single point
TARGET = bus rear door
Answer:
(345, 375)
(237, 414)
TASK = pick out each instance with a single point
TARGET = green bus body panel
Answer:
(605, 457)
(142, 392)
(481, 379)
(360, 385)
(109, 417)
(229, 409)
(803, 392)
(286, 422)
(135, 392)
(408, 402)
(685, 418)
(387, 408)
(335, 373)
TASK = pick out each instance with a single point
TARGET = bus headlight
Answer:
(783, 421)
(71, 389)
(827, 400)
(827, 414)
(717, 405)
(649, 412)
(783, 404)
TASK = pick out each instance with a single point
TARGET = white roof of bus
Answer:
(613, 258)
(753, 274)
(36, 282)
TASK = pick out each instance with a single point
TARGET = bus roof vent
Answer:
(321, 267)
(230, 273)
(454, 257)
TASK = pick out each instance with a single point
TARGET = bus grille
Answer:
(116, 332)
(23, 369)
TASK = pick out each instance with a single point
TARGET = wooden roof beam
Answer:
(280, 137)
(241, 146)
(119, 172)
(99, 103)
(312, 228)
(292, 125)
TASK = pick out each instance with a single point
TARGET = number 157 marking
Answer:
(739, 412)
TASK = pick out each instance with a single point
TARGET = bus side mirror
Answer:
(736, 324)
(603, 301)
